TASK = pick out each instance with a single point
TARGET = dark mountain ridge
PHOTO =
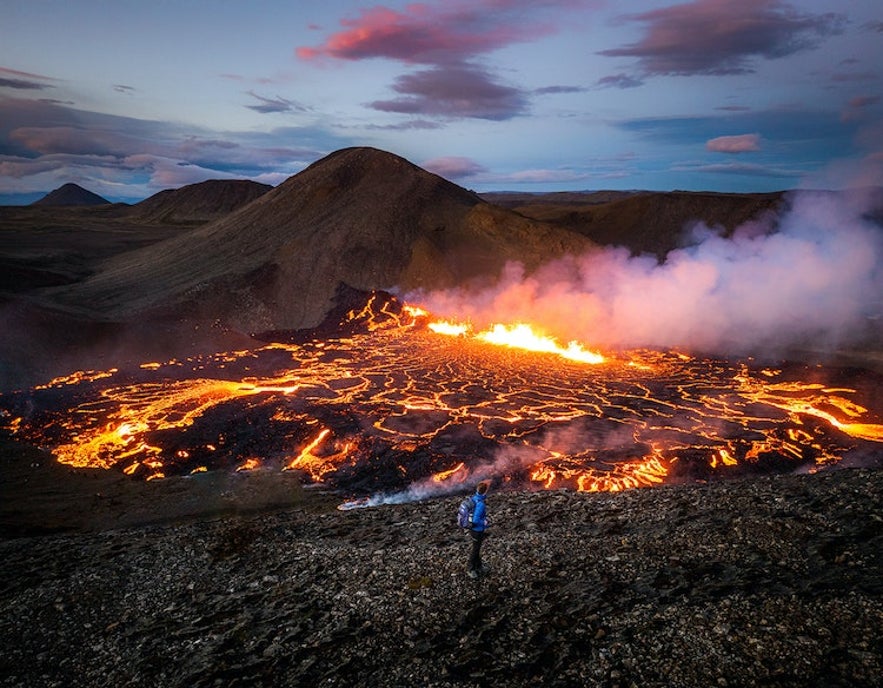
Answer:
(71, 194)
(647, 221)
(199, 203)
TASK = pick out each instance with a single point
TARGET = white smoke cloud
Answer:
(815, 280)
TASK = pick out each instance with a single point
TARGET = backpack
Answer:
(464, 513)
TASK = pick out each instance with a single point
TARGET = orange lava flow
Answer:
(249, 465)
(622, 476)
(458, 471)
(307, 460)
(147, 408)
(815, 400)
(426, 402)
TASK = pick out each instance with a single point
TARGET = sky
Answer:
(128, 97)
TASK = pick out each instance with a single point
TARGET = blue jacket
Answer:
(479, 514)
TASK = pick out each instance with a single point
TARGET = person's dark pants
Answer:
(475, 556)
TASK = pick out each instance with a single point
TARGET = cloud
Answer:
(166, 173)
(453, 167)
(545, 176)
(454, 91)
(73, 140)
(857, 107)
(444, 33)
(277, 104)
(414, 124)
(806, 136)
(618, 81)
(263, 80)
(552, 90)
(44, 144)
(24, 81)
(743, 143)
(19, 168)
(447, 37)
(723, 36)
(22, 84)
(122, 88)
(853, 77)
(742, 169)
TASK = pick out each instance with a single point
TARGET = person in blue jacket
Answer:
(478, 530)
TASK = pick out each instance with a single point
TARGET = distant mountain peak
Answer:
(372, 174)
(71, 194)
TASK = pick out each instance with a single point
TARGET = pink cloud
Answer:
(721, 36)
(857, 107)
(434, 34)
(744, 143)
(74, 140)
(5, 71)
(447, 36)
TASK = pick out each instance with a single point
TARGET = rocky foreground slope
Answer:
(770, 582)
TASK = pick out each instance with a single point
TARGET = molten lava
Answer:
(519, 336)
(402, 402)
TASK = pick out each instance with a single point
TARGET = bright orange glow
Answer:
(460, 469)
(520, 336)
(398, 393)
(155, 407)
(623, 476)
(815, 400)
(726, 458)
(78, 377)
(448, 328)
(307, 461)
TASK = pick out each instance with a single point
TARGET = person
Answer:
(478, 530)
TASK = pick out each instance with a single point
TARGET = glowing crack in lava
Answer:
(395, 407)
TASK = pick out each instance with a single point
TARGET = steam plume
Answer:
(815, 280)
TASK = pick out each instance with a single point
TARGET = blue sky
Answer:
(127, 98)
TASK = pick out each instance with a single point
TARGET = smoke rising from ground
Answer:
(815, 280)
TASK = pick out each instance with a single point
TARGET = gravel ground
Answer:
(769, 582)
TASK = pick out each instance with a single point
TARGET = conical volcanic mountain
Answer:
(71, 194)
(359, 217)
